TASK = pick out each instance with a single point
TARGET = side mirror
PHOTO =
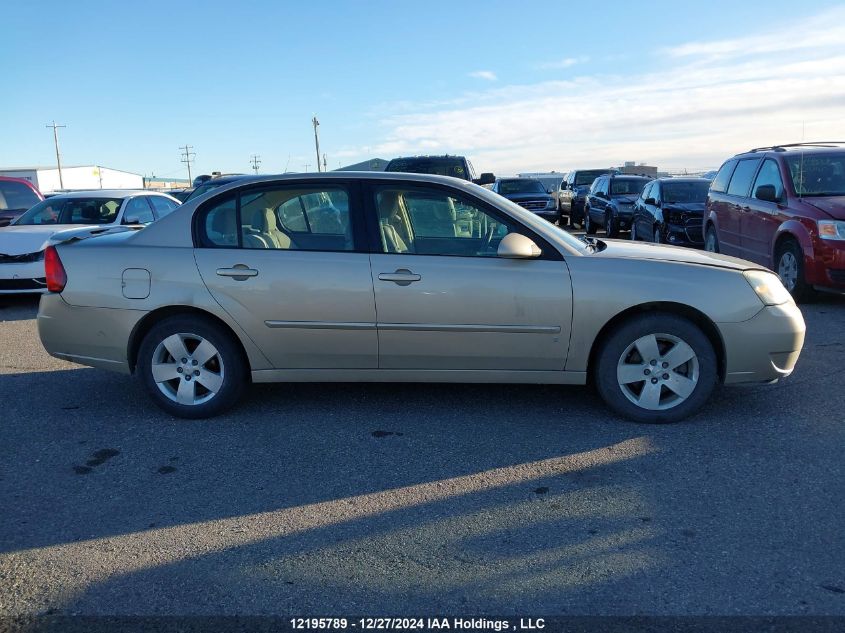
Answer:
(766, 193)
(516, 246)
(650, 201)
(485, 179)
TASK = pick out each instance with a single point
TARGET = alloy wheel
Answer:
(658, 372)
(788, 270)
(187, 368)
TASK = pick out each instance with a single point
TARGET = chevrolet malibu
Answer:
(359, 277)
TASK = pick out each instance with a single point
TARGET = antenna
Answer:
(801, 167)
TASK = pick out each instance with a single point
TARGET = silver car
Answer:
(69, 216)
(407, 278)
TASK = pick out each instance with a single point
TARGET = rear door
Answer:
(445, 301)
(288, 262)
(761, 222)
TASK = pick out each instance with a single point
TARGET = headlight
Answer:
(831, 229)
(768, 287)
(550, 204)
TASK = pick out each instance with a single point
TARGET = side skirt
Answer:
(421, 375)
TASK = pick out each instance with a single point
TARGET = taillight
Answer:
(55, 272)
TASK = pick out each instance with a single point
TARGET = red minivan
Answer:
(16, 196)
(783, 207)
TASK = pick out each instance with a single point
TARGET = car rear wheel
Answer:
(711, 240)
(656, 368)
(589, 227)
(789, 263)
(191, 367)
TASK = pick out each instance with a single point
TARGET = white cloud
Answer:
(567, 62)
(711, 100)
(489, 75)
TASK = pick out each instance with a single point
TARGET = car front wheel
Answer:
(589, 227)
(711, 240)
(656, 368)
(789, 263)
(191, 367)
(610, 225)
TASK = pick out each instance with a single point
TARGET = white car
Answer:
(58, 218)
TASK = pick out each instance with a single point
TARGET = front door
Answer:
(445, 301)
(284, 262)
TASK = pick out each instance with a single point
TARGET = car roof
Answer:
(428, 157)
(631, 176)
(818, 147)
(105, 193)
(682, 179)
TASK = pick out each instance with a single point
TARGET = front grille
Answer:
(23, 284)
(21, 259)
(836, 275)
(532, 205)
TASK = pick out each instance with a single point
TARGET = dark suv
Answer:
(783, 207)
(610, 203)
(454, 166)
(530, 194)
(573, 192)
(670, 210)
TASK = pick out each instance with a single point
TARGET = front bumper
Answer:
(687, 234)
(765, 347)
(27, 277)
(826, 269)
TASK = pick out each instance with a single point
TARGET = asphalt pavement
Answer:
(427, 499)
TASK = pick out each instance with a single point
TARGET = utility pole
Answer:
(256, 161)
(187, 157)
(325, 164)
(58, 156)
(316, 140)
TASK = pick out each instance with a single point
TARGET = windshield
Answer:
(587, 177)
(16, 196)
(72, 211)
(627, 186)
(437, 166)
(817, 175)
(681, 192)
(520, 185)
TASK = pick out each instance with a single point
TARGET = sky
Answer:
(515, 86)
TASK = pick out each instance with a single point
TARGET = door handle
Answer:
(401, 277)
(238, 272)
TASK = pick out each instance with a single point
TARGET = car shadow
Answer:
(18, 307)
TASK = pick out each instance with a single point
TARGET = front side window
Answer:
(769, 175)
(290, 218)
(72, 211)
(742, 177)
(431, 222)
(138, 211)
(596, 186)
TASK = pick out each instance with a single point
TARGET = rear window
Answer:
(16, 196)
(436, 166)
(743, 175)
(720, 182)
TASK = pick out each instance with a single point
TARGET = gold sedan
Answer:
(407, 278)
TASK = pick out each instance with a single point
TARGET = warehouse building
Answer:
(46, 179)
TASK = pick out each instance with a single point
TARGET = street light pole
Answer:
(316, 140)
(58, 156)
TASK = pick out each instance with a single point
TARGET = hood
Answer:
(686, 207)
(518, 197)
(834, 206)
(627, 249)
(24, 239)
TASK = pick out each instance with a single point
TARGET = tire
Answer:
(654, 399)
(711, 240)
(789, 265)
(657, 238)
(200, 387)
(589, 227)
(610, 227)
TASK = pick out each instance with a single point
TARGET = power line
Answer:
(256, 161)
(58, 156)
(187, 157)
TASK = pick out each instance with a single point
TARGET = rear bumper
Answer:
(764, 348)
(27, 277)
(97, 337)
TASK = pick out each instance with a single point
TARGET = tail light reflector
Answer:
(55, 271)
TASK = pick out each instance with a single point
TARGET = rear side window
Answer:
(720, 182)
(163, 206)
(138, 211)
(16, 195)
(743, 175)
